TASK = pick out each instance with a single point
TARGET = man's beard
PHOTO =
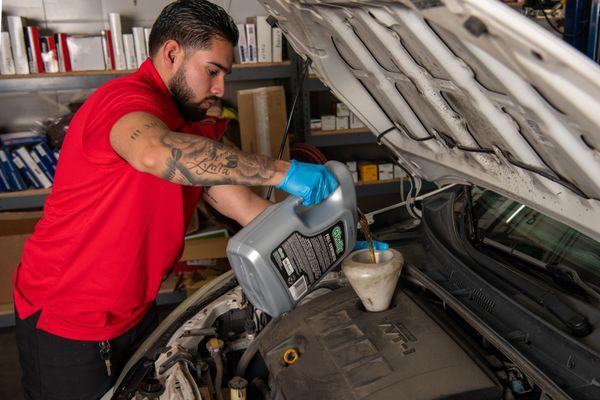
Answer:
(182, 94)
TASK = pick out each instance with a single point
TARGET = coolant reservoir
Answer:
(280, 256)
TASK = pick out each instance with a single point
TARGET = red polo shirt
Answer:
(109, 233)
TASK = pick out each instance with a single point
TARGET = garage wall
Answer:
(20, 110)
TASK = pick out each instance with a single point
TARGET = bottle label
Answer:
(302, 260)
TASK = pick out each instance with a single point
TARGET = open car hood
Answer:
(463, 91)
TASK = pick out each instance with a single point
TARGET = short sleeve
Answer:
(110, 104)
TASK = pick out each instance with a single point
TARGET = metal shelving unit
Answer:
(93, 79)
(334, 138)
(26, 199)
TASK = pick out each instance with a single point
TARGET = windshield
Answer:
(528, 233)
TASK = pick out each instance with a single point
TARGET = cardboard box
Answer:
(355, 123)
(263, 116)
(15, 228)
(328, 122)
(386, 168)
(341, 123)
(342, 110)
(368, 171)
(399, 172)
(315, 124)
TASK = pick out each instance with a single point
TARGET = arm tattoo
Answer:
(199, 161)
(136, 133)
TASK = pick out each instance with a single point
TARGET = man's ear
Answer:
(172, 54)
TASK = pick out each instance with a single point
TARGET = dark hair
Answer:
(193, 24)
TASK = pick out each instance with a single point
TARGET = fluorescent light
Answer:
(515, 213)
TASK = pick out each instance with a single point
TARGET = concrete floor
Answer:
(10, 370)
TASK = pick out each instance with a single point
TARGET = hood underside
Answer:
(463, 91)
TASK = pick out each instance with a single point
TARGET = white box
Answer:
(355, 122)
(251, 41)
(351, 166)
(383, 176)
(385, 168)
(341, 123)
(139, 42)
(17, 40)
(277, 44)
(129, 47)
(315, 124)
(342, 110)
(7, 64)
(328, 122)
(398, 172)
(354, 176)
(263, 40)
(242, 44)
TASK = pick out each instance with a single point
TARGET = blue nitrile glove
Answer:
(362, 244)
(312, 182)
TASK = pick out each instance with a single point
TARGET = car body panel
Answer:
(463, 91)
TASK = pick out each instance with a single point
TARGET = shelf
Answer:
(340, 137)
(379, 188)
(93, 79)
(30, 198)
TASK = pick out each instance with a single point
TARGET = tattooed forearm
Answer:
(199, 161)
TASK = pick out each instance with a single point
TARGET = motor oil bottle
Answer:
(284, 252)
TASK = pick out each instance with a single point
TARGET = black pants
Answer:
(63, 369)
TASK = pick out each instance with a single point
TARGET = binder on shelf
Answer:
(10, 171)
(42, 166)
(7, 63)
(242, 44)
(263, 40)
(114, 20)
(16, 139)
(17, 41)
(277, 44)
(105, 50)
(3, 183)
(251, 41)
(62, 51)
(32, 41)
(129, 48)
(147, 39)
(49, 55)
(46, 157)
(139, 43)
(25, 171)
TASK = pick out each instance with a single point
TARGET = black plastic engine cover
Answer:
(347, 353)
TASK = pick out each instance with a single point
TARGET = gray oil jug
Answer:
(280, 256)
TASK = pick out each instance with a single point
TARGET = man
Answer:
(133, 165)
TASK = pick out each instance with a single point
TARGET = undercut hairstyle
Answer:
(193, 24)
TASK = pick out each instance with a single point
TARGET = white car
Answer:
(500, 294)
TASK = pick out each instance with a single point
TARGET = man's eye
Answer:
(213, 73)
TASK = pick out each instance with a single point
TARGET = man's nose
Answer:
(218, 86)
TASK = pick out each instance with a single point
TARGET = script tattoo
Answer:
(196, 160)
(136, 133)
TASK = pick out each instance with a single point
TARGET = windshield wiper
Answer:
(559, 272)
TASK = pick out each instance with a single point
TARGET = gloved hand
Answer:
(362, 244)
(312, 182)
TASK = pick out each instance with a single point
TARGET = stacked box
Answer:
(399, 172)
(342, 110)
(386, 171)
(355, 122)
(328, 122)
(368, 171)
(341, 123)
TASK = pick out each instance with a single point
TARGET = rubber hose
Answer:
(219, 378)
(247, 356)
